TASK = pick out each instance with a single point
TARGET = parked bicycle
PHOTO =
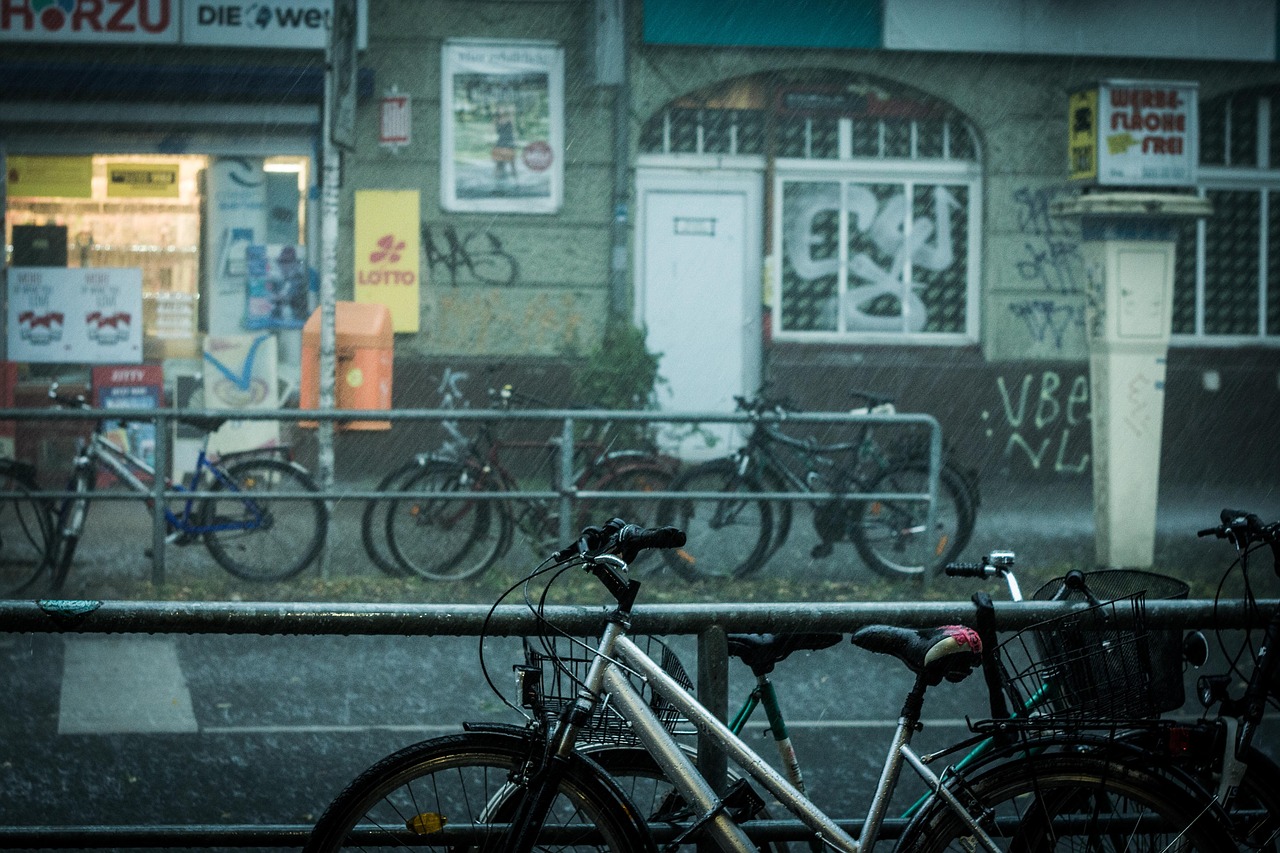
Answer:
(434, 531)
(25, 528)
(250, 533)
(519, 788)
(736, 533)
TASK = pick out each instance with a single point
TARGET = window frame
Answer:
(908, 173)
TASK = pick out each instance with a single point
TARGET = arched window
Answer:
(1227, 279)
(876, 200)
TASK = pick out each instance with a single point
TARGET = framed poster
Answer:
(502, 116)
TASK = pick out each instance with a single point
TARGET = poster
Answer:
(240, 373)
(280, 292)
(1135, 133)
(138, 386)
(236, 218)
(387, 255)
(92, 316)
(503, 126)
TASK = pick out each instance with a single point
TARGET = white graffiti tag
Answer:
(927, 245)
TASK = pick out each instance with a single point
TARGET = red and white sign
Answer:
(1147, 133)
(396, 120)
(100, 21)
(59, 315)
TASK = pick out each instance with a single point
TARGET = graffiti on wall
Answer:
(1050, 260)
(477, 258)
(1043, 421)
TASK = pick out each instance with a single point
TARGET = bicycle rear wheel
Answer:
(637, 511)
(26, 534)
(264, 540)
(1070, 802)
(445, 539)
(726, 536)
(373, 531)
(891, 535)
(461, 785)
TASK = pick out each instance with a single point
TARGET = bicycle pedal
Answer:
(741, 802)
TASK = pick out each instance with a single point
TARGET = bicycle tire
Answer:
(26, 537)
(69, 525)
(442, 539)
(1259, 795)
(291, 532)
(726, 537)
(638, 478)
(466, 779)
(373, 534)
(890, 535)
(1061, 801)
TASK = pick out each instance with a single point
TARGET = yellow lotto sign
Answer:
(142, 180)
(54, 177)
(1082, 132)
(388, 252)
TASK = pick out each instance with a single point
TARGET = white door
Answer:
(699, 292)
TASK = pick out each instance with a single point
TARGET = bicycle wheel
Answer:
(26, 533)
(1255, 815)
(444, 539)
(636, 511)
(373, 531)
(891, 535)
(726, 536)
(264, 540)
(1071, 802)
(463, 783)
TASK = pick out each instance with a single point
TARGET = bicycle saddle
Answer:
(762, 651)
(202, 424)
(950, 652)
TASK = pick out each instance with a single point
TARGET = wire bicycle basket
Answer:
(1097, 665)
(549, 682)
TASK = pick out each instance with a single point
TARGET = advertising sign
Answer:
(240, 372)
(142, 180)
(59, 315)
(236, 218)
(280, 295)
(272, 24)
(118, 22)
(387, 253)
(502, 113)
(54, 177)
(139, 386)
(1134, 133)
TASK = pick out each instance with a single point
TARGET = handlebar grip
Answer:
(651, 537)
(965, 570)
(1212, 531)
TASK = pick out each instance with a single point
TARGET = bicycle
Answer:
(435, 532)
(25, 528)
(516, 788)
(249, 533)
(735, 534)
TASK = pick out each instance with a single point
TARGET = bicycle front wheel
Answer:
(261, 539)
(445, 538)
(727, 536)
(459, 787)
(373, 532)
(26, 533)
(892, 536)
(1069, 802)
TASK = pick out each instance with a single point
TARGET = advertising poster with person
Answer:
(503, 117)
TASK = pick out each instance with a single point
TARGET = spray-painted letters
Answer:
(1043, 421)
(1050, 260)
(479, 256)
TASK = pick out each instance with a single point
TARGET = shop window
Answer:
(1227, 274)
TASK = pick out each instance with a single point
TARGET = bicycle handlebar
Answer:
(997, 563)
(1242, 529)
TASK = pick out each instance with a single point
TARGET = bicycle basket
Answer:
(550, 683)
(1099, 664)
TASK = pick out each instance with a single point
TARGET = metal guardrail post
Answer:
(713, 693)
(935, 472)
(159, 525)
(565, 485)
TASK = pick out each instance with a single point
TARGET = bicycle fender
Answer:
(283, 451)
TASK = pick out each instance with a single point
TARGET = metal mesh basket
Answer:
(548, 685)
(1100, 664)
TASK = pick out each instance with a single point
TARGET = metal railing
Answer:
(562, 489)
(709, 622)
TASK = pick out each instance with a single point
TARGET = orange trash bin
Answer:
(365, 350)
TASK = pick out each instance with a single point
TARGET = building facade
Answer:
(860, 196)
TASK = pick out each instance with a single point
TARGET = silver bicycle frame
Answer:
(609, 675)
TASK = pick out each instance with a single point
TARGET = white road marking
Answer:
(123, 684)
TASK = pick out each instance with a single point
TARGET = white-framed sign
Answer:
(502, 117)
(89, 316)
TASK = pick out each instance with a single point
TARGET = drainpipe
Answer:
(612, 47)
